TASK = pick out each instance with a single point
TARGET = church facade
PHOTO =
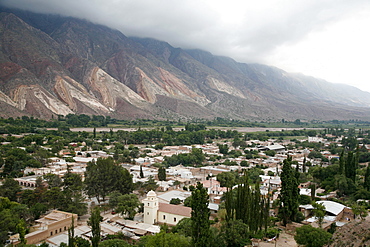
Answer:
(161, 213)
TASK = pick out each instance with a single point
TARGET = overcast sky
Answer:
(328, 39)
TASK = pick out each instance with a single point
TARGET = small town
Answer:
(137, 192)
(191, 123)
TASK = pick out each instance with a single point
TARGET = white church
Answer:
(159, 213)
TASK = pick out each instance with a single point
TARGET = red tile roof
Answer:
(175, 209)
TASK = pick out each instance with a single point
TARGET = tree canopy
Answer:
(103, 177)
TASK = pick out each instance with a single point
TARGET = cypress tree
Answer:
(229, 204)
(141, 172)
(289, 193)
(367, 178)
(350, 166)
(200, 213)
(342, 162)
(248, 206)
(162, 174)
(71, 234)
(94, 222)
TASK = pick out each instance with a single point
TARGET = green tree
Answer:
(235, 233)
(71, 233)
(11, 218)
(187, 201)
(244, 163)
(94, 223)
(200, 217)
(359, 210)
(141, 172)
(104, 177)
(53, 180)
(183, 227)
(54, 198)
(10, 188)
(223, 149)
(161, 173)
(350, 166)
(341, 162)
(151, 184)
(175, 201)
(114, 243)
(271, 153)
(72, 190)
(319, 212)
(246, 204)
(228, 179)
(289, 193)
(166, 240)
(72, 181)
(81, 242)
(311, 237)
(127, 204)
(367, 178)
(198, 156)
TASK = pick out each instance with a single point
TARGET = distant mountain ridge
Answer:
(52, 65)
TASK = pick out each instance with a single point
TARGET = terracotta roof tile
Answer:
(175, 209)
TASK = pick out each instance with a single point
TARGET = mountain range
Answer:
(53, 65)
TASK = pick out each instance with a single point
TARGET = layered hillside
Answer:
(53, 65)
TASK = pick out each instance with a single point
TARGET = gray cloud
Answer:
(248, 31)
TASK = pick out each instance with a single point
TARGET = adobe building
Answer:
(54, 223)
(160, 213)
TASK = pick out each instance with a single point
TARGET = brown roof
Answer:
(175, 209)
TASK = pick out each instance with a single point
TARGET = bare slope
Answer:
(53, 65)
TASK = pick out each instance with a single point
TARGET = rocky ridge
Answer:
(53, 65)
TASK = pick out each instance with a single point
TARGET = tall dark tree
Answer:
(10, 188)
(350, 166)
(304, 165)
(71, 234)
(367, 178)
(103, 177)
(53, 180)
(161, 173)
(341, 162)
(72, 189)
(223, 148)
(248, 206)
(198, 156)
(289, 193)
(141, 172)
(94, 223)
(200, 217)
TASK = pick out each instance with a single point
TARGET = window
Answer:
(174, 219)
(148, 204)
(147, 213)
(51, 233)
(164, 217)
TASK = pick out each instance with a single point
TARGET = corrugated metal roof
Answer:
(332, 207)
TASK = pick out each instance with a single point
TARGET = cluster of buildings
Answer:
(157, 207)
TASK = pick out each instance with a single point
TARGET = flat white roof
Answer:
(275, 147)
(182, 195)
